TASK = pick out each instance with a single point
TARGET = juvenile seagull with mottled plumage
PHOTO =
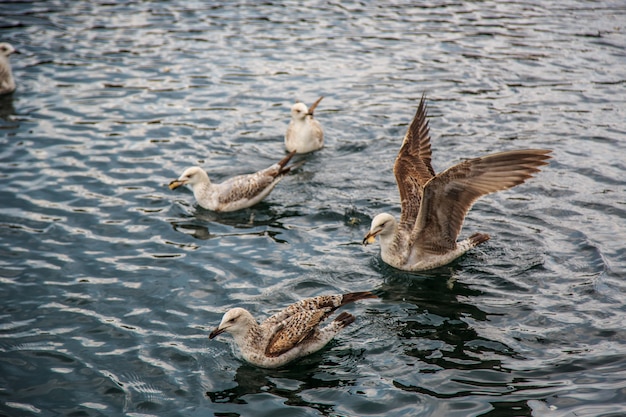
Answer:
(236, 193)
(434, 206)
(304, 133)
(290, 334)
(7, 82)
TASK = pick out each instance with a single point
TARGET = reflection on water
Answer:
(6, 107)
(285, 384)
(203, 233)
(111, 282)
(435, 331)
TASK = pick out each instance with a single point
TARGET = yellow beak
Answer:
(175, 184)
(369, 238)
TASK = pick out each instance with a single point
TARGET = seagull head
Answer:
(7, 49)
(383, 224)
(236, 321)
(191, 177)
(299, 111)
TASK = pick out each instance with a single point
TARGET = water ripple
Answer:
(111, 282)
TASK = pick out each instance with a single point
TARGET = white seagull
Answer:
(289, 334)
(235, 193)
(434, 206)
(304, 133)
(7, 83)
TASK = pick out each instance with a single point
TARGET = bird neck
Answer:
(5, 67)
(204, 183)
(253, 336)
(388, 237)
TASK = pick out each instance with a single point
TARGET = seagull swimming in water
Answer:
(304, 133)
(7, 83)
(434, 206)
(236, 193)
(290, 334)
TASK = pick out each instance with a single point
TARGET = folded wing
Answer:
(294, 330)
(298, 322)
(249, 186)
(321, 302)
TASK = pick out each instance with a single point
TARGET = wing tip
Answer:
(314, 105)
(356, 296)
(478, 238)
(283, 169)
(344, 319)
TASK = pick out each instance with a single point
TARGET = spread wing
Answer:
(294, 330)
(412, 168)
(449, 196)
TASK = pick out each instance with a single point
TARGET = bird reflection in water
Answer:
(314, 372)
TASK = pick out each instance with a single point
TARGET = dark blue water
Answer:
(111, 283)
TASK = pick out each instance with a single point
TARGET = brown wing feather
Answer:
(326, 302)
(413, 168)
(314, 105)
(250, 185)
(245, 186)
(294, 330)
(322, 302)
(449, 196)
(296, 323)
(284, 162)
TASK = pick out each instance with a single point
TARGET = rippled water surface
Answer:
(111, 283)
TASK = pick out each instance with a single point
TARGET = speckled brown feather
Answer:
(294, 330)
(299, 321)
(413, 168)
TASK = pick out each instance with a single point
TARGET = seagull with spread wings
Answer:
(289, 334)
(434, 206)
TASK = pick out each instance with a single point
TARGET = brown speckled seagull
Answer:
(235, 193)
(434, 206)
(289, 334)
(304, 133)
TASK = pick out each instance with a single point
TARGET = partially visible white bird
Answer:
(289, 334)
(235, 193)
(304, 133)
(434, 206)
(7, 83)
